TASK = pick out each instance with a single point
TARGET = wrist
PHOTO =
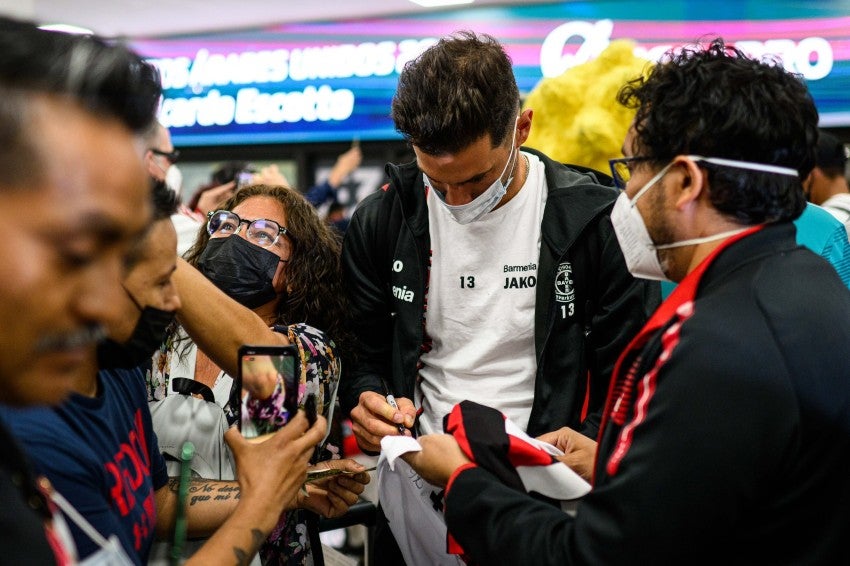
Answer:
(334, 180)
(260, 513)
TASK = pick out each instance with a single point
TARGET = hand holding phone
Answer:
(310, 408)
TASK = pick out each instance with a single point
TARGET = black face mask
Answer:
(242, 270)
(146, 338)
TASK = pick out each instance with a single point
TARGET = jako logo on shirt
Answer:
(403, 294)
(522, 281)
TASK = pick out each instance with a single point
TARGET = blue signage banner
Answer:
(334, 81)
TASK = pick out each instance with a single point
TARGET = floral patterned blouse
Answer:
(289, 543)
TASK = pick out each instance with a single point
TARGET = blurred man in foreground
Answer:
(75, 196)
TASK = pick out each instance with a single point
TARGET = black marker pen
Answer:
(394, 405)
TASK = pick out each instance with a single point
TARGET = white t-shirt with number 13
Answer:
(480, 312)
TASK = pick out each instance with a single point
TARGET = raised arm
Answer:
(219, 325)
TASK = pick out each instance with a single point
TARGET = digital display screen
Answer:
(334, 81)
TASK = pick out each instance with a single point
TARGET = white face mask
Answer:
(486, 201)
(174, 178)
(638, 248)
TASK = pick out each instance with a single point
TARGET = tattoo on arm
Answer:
(201, 489)
(243, 557)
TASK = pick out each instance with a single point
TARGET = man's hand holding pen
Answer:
(375, 417)
(394, 405)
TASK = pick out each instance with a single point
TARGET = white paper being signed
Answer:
(556, 481)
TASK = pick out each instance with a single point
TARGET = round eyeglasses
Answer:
(172, 156)
(621, 169)
(261, 232)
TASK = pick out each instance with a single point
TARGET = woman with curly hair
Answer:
(265, 270)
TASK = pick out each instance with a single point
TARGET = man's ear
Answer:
(154, 170)
(524, 126)
(691, 181)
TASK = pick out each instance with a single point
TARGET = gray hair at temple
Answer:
(105, 79)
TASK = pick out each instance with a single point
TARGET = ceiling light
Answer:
(65, 28)
(435, 3)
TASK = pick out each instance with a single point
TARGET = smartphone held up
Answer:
(244, 178)
(281, 364)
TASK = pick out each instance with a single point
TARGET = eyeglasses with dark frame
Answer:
(621, 169)
(261, 232)
(172, 156)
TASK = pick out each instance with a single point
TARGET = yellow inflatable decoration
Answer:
(577, 118)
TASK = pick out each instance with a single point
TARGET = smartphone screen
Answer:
(243, 179)
(272, 362)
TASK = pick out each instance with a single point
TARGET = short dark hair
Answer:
(105, 79)
(165, 203)
(715, 101)
(455, 92)
(831, 156)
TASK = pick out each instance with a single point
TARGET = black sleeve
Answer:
(496, 524)
(371, 319)
(688, 463)
(620, 307)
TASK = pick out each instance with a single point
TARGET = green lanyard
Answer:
(186, 455)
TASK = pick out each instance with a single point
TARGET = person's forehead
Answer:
(474, 160)
(256, 207)
(629, 148)
(160, 241)
(159, 252)
(163, 139)
(92, 171)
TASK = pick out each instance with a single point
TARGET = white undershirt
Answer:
(839, 206)
(480, 310)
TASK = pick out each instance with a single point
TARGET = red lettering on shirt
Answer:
(143, 528)
(129, 467)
